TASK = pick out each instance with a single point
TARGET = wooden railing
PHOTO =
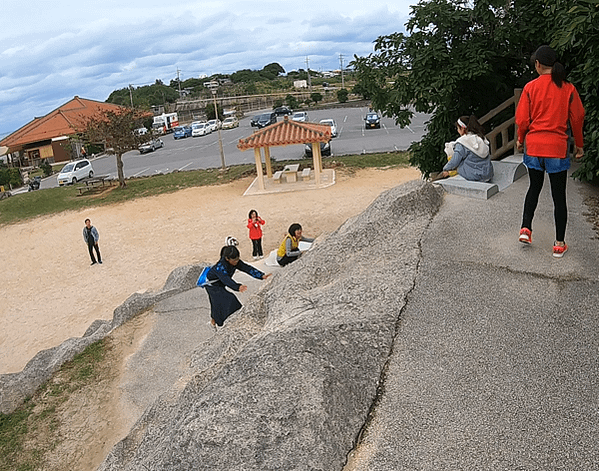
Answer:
(503, 129)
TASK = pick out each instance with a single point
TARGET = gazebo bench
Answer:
(306, 174)
(277, 176)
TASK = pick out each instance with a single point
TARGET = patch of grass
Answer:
(55, 200)
(13, 430)
(27, 434)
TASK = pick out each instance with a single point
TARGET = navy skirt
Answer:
(223, 303)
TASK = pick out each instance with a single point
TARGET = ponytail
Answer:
(558, 74)
(547, 57)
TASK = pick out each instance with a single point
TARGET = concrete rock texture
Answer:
(289, 381)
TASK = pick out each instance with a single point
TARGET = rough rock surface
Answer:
(16, 387)
(289, 381)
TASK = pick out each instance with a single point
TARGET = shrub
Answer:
(342, 95)
(10, 177)
(46, 168)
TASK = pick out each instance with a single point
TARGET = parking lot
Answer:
(203, 152)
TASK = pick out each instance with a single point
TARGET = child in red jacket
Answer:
(254, 225)
(548, 106)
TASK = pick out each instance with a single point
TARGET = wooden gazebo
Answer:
(285, 133)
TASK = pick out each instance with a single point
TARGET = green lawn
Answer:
(55, 200)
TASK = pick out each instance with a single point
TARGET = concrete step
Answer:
(506, 172)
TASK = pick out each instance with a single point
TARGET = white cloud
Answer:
(53, 50)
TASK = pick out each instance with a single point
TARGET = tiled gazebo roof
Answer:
(285, 133)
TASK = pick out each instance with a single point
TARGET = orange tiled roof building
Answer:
(43, 138)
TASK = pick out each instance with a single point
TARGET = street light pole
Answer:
(213, 87)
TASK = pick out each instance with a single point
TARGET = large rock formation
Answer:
(289, 381)
(16, 387)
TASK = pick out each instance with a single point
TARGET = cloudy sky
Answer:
(52, 50)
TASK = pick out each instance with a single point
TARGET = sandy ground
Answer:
(51, 293)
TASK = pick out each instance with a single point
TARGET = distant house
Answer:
(300, 84)
(45, 137)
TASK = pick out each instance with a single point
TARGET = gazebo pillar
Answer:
(267, 161)
(258, 158)
(316, 161)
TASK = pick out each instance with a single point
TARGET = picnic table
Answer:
(290, 172)
(94, 183)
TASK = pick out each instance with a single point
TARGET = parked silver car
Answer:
(151, 146)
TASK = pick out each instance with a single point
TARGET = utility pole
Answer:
(179, 81)
(308, 68)
(213, 86)
(341, 65)
(131, 94)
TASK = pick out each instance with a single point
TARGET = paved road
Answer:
(203, 152)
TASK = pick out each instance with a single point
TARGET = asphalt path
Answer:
(203, 152)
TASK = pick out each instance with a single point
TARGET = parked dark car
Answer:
(254, 121)
(372, 120)
(266, 119)
(282, 111)
(325, 149)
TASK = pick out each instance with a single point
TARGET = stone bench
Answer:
(306, 174)
(505, 172)
(277, 176)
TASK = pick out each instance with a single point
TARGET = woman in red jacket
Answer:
(254, 225)
(549, 105)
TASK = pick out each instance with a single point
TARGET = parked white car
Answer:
(332, 123)
(75, 171)
(200, 129)
(214, 124)
(301, 116)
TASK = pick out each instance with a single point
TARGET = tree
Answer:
(342, 94)
(577, 44)
(210, 114)
(144, 96)
(46, 167)
(274, 68)
(116, 129)
(291, 101)
(316, 97)
(459, 58)
(10, 177)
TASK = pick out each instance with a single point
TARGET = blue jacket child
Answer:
(223, 303)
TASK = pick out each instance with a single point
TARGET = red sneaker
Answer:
(525, 235)
(559, 250)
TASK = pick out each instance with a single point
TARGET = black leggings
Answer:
(257, 247)
(558, 193)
